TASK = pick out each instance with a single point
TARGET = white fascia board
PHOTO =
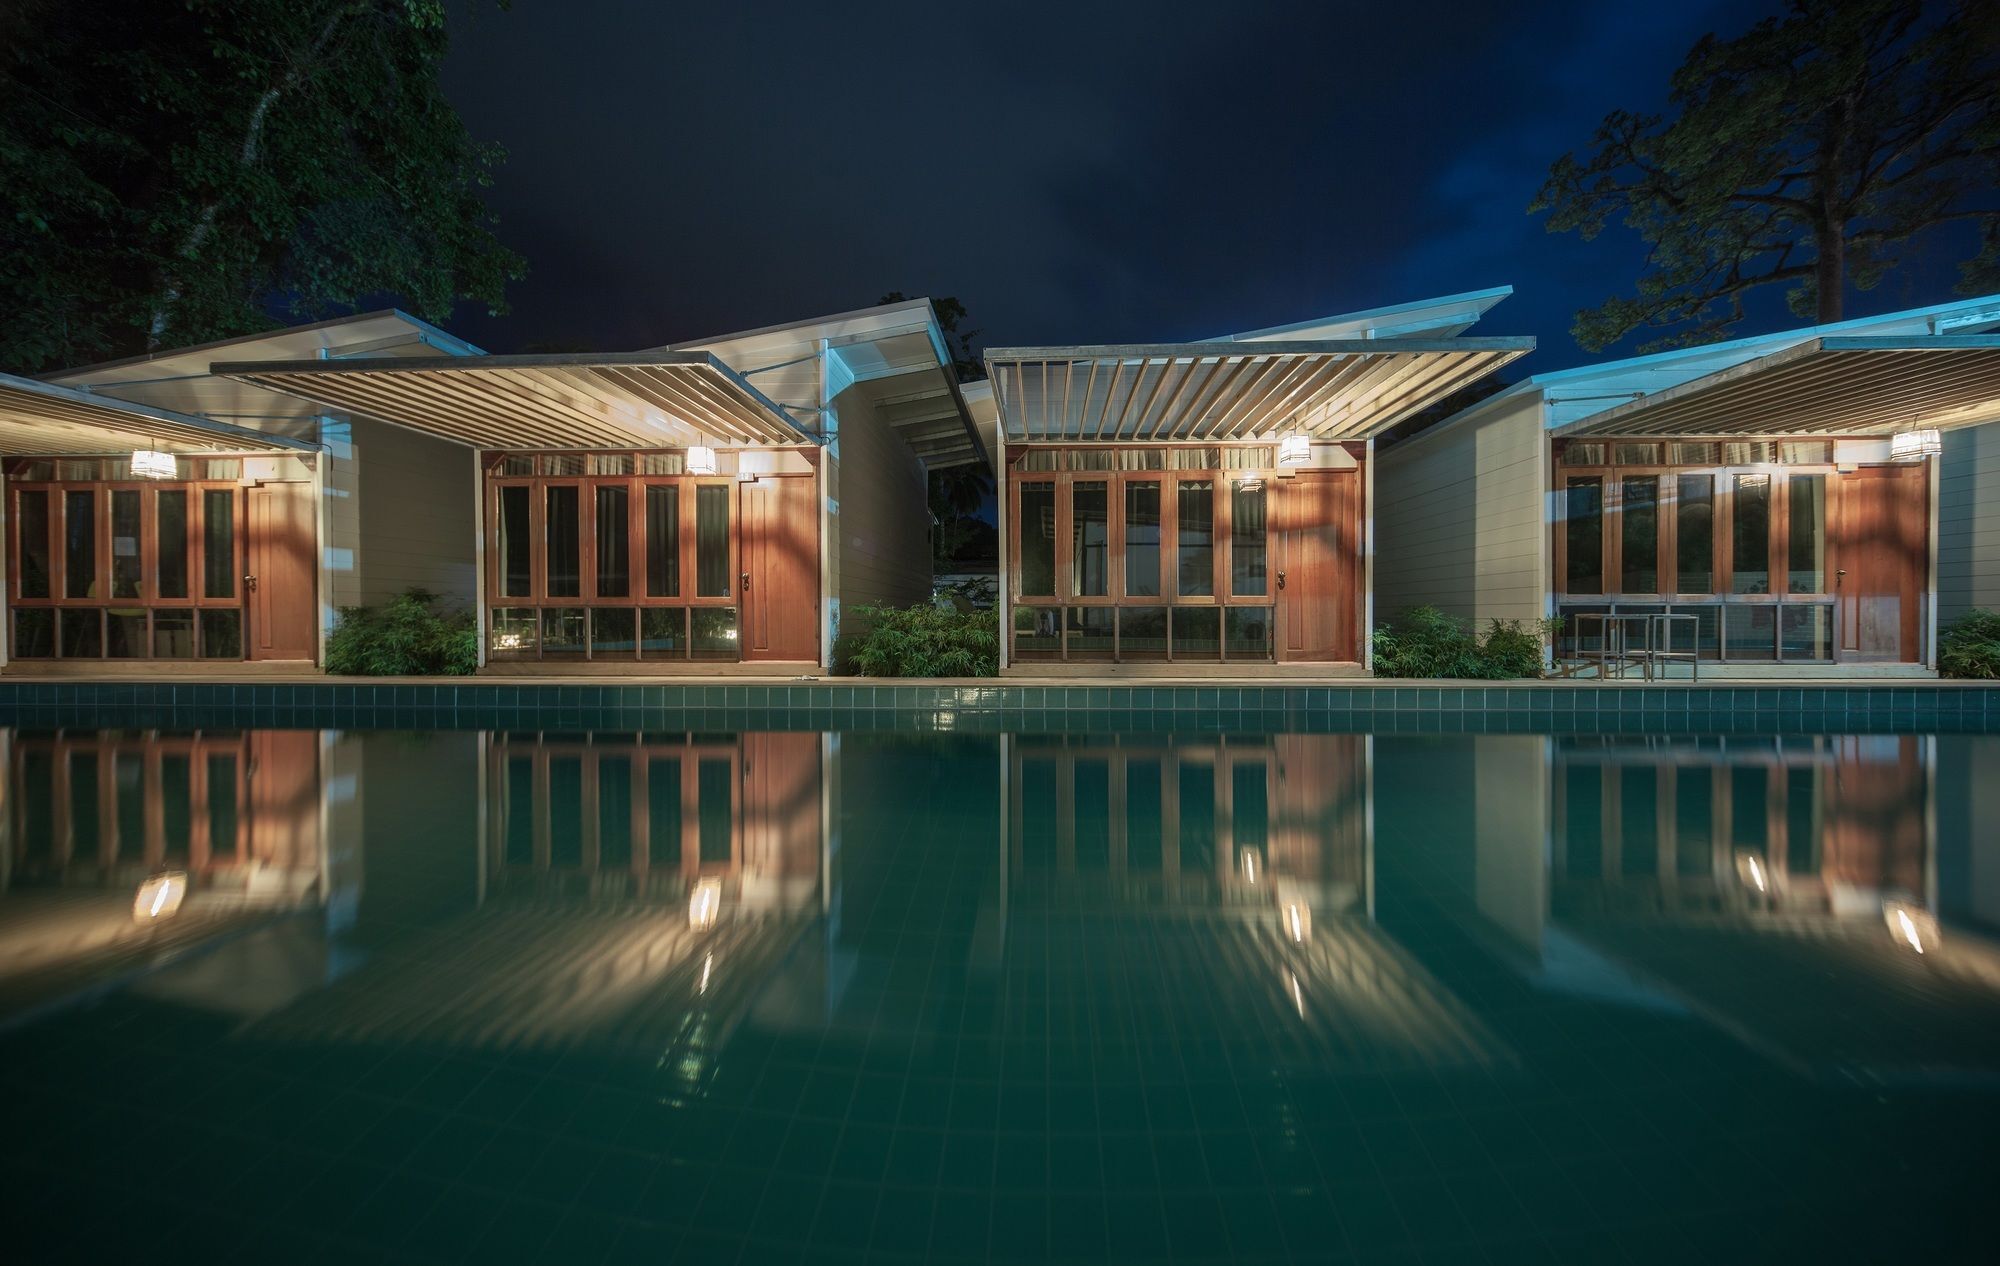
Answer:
(1460, 310)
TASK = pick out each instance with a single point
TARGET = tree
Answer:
(950, 314)
(1811, 152)
(225, 166)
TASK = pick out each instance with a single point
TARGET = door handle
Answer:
(746, 582)
(250, 582)
(1281, 579)
(1839, 574)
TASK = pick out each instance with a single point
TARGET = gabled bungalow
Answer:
(1810, 498)
(707, 507)
(1195, 509)
(156, 512)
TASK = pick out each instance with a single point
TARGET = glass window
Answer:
(222, 634)
(125, 633)
(516, 632)
(1142, 539)
(82, 633)
(1805, 631)
(80, 544)
(711, 541)
(663, 632)
(1750, 534)
(127, 567)
(1691, 454)
(1576, 454)
(1640, 454)
(1142, 633)
(218, 543)
(1750, 632)
(34, 633)
(612, 630)
(170, 525)
(1037, 631)
(1807, 547)
(1092, 459)
(1694, 534)
(1197, 632)
(614, 811)
(516, 543)
(1089, 540)
(1584, 535)
(1639, 534)
(173, 635)
(1145, 815)
(663, 541)
(663, 810)
(715, 809)
(714, 632)
(614, 539)
(562, 631)
(1197, 824)
(1704, 638)
(1247, 632)
(1195, 523)
(517, 464)
(1248, 547)
(33, 509)
(1037, 531)
(565, 810)
(1090, 632)
(563, 564)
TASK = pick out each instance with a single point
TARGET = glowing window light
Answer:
(1913, 446)
(1295, 450)
(148, 464)
(1751, 871)
(160, 897)
(705, 904)
(701, 460)
(1911, 925)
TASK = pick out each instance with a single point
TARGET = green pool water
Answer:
(785, 996)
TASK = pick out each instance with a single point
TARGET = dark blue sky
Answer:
(1074, 172)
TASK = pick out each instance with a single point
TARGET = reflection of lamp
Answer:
(1250, 483)
(148, 464)
(1298, 920)
(1911, 925)
(1295, 450)
(705, 904)
(1914, 446)
(1249, 865)
(1750, 871)
(701, 460)
(1298, 995)
(160, 897)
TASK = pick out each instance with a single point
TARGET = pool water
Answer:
(486, 997)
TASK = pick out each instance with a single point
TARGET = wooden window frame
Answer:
(62, 750)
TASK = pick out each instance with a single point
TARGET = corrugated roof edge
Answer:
(423, 328)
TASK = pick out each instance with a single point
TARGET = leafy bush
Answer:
(406, 636)
(926, 641)
(1970, 646)
(1425, 642)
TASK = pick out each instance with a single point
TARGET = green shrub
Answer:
(1970, 646)
(1425, 642)
(926, 641)
(406, 636)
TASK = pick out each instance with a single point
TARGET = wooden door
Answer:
(1316, 529)
(780, 581)
(278, 587)
(1881, 557)
(284, 800)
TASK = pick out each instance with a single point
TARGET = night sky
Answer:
(1074, 172)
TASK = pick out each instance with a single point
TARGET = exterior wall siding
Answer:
(1968, 528)
(402, 513)
(880, 534)
(1460, 518)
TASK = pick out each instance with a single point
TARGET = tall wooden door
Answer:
(285, 799)
(1316, 527)
(780, 581)
(279, 583)
(1881, 558)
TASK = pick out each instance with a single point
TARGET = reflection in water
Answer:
(1310, 969)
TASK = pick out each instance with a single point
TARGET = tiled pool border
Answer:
(1903, 705)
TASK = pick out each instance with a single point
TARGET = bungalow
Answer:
(1181, 509)
(1810, 498)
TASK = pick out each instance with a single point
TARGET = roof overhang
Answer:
(662, 399)
(42, 419)
(1341, 389)
(1856, 385)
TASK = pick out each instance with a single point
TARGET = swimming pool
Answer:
(1105, 987)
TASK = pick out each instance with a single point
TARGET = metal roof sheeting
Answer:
(621, 400)
(1346, 389)
(1855, 385)
(42, 419)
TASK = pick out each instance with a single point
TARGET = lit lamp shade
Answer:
(160, 897)
(147, 464)
(705, 904)
(1751, 871)
(1911, 926)
(701, 460)
(1295, 450)
(1911, 446)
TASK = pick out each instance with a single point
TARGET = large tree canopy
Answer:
(220, 166)
(1811, 152)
